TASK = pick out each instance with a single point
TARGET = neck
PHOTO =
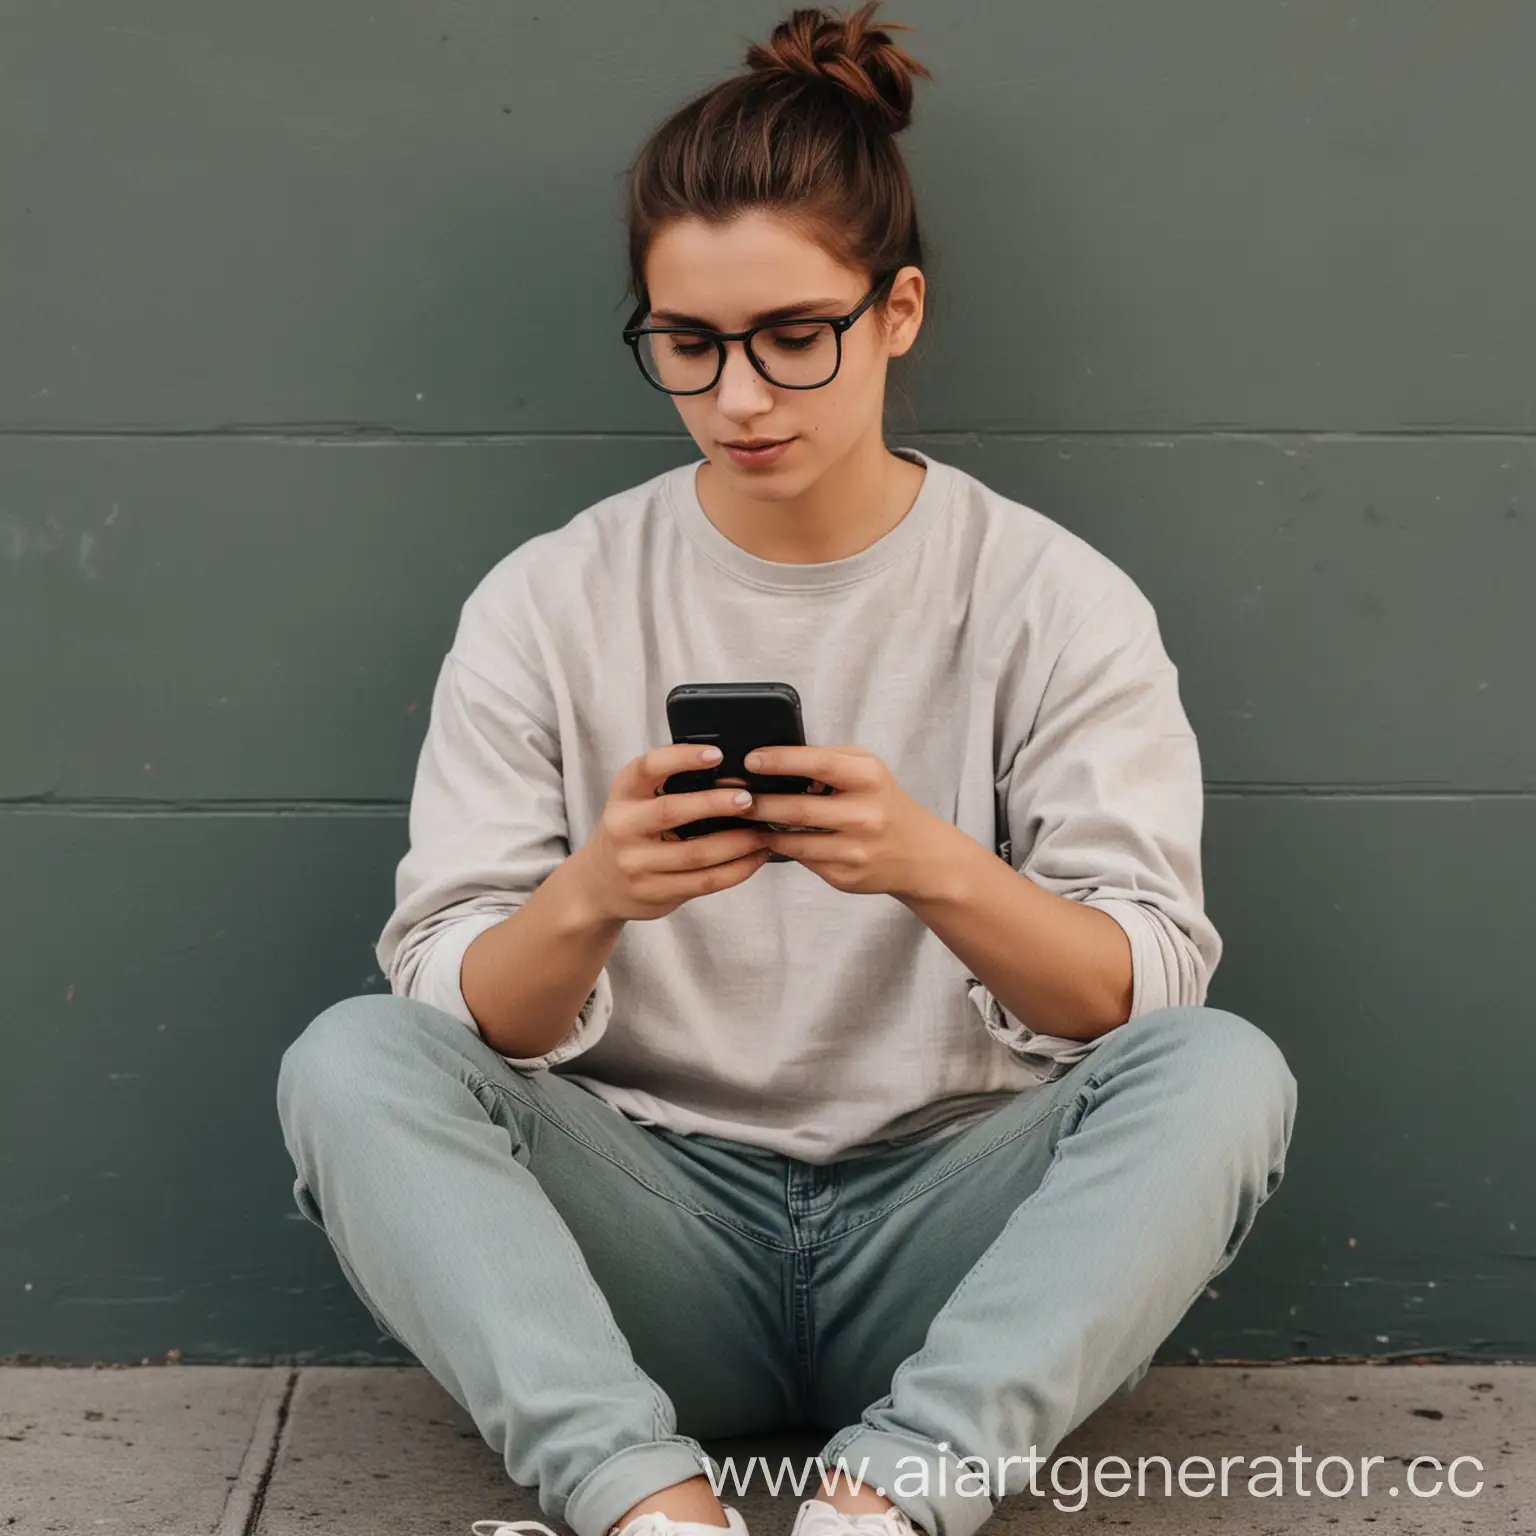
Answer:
(858, 500)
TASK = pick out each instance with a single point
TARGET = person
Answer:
(923, 1133)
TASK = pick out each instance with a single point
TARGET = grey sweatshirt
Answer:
(1013, 679)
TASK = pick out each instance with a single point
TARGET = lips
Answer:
(760, 458)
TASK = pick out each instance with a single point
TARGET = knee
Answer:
(1232, 1064)
(337, 1050)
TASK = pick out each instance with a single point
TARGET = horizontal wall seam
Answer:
(85, 807)
(373, 436)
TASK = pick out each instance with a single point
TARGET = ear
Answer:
(904, 309)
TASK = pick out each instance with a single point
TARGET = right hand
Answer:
(631, 870)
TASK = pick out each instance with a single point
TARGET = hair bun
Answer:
(849, 52)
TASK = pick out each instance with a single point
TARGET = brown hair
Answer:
(806, 132)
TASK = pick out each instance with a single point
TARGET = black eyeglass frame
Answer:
(839, 323)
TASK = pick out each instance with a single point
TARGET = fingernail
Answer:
(754, 760)
(742, 797)
(710, 754)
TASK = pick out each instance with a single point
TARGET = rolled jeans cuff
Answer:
(627, 1476)
(890, 1461)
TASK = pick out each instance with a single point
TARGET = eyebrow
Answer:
(783, 312)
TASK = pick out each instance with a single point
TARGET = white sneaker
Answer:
(816, 1517)
(650, 1522)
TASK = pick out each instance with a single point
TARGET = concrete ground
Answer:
(181, 1450)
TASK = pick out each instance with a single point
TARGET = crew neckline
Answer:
(791, 576)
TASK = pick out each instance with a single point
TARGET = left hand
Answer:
(877, 840)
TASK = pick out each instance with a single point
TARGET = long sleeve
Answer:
(487, 825)
(1104, 804)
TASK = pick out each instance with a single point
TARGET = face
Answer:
(726, 277)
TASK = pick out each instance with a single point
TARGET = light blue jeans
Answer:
(599, 1295)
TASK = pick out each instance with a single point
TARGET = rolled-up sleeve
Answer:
(1104, 804)
(487, 826)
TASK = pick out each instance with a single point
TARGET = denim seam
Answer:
(604, 1307)
(616, 1337)
(981, 1152)
(635, 1174)
(343, 1264)
(1086, 1093)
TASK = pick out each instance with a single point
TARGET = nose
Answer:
(742, 392)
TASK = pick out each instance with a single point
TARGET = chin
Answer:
(770, 486)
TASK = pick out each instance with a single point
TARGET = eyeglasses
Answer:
(800, 354)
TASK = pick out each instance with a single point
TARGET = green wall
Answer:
(309, 314)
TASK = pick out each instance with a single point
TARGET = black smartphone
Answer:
(736, 717)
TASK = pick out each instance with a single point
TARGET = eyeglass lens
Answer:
(802, 354)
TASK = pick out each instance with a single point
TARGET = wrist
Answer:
(941, 872)
(580, 909)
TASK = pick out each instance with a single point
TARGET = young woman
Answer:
(922, 1133)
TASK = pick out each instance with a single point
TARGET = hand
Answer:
(629, 869)
(875, 838)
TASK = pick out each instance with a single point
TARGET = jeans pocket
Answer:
(310, 1210)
